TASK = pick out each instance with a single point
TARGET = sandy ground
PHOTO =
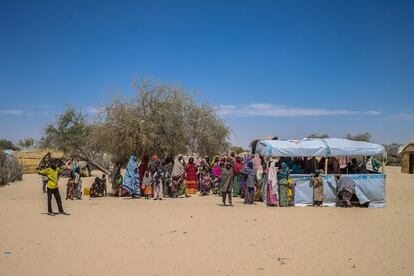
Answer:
(196, 236)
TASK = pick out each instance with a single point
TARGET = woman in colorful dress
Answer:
(70, 187)
(205, 176)
(282, 177)
(191, 177)
(237, 167)
(143, 167)
(147, 185)
(272, 187)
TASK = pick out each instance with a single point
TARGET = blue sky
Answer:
(285, 68)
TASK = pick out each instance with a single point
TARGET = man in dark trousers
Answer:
(52, 174)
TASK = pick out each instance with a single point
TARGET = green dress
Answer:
(236, 185)
(283, 192)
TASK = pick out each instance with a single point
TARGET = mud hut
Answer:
(407, 163)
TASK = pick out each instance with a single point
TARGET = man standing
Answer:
(52, 174)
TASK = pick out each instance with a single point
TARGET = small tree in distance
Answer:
(365, 137)
(318, 135)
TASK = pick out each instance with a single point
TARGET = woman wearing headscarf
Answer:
(271, 186)
(282, 177)
(226, 175)
(205, 176)
(251, 183)
(177, 184)
(237, 167)
(243, 177)
(97, 188)
(143, 167)
(191, 177)
(257, 165)
(157, 178)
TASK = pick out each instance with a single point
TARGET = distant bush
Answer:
(393, 158)
(10, 169)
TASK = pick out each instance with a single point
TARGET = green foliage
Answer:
(393, 158)
(26, 142)
(69, 133)
(7, 145)
(161, 119)
(237, 149)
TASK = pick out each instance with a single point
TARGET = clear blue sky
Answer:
(286, 68)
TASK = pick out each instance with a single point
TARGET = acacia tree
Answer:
(71, 133)
(7, 144)
(26, 142)
(161, 119)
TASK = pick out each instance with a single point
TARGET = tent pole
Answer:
(346, 160)
(326, 165)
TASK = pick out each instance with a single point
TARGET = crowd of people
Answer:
(250, 177)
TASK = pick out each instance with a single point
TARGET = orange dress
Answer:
(191, 178)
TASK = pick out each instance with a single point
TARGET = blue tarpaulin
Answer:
(318, 148)
(370, 188)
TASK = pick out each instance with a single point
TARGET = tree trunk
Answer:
(99, 167)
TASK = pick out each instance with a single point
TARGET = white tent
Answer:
(318, 148)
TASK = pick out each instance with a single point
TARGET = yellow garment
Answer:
(52, 177)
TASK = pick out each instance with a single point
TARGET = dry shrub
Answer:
(10, 169)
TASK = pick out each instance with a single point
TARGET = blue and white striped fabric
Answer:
(131, 179)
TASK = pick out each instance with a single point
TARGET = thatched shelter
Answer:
(407, 163)
(30, 159)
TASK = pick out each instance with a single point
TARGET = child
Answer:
(205, 184)
(157, 180)
(146, 185)
(317, 184)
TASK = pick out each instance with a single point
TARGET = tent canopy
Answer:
(329, 147)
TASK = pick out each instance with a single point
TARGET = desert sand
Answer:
(196, 236)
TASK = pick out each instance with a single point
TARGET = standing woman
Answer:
(191, 177)
(177, 184)
(272, 187)
(143, 167)
(282, 177)
(237, 167)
